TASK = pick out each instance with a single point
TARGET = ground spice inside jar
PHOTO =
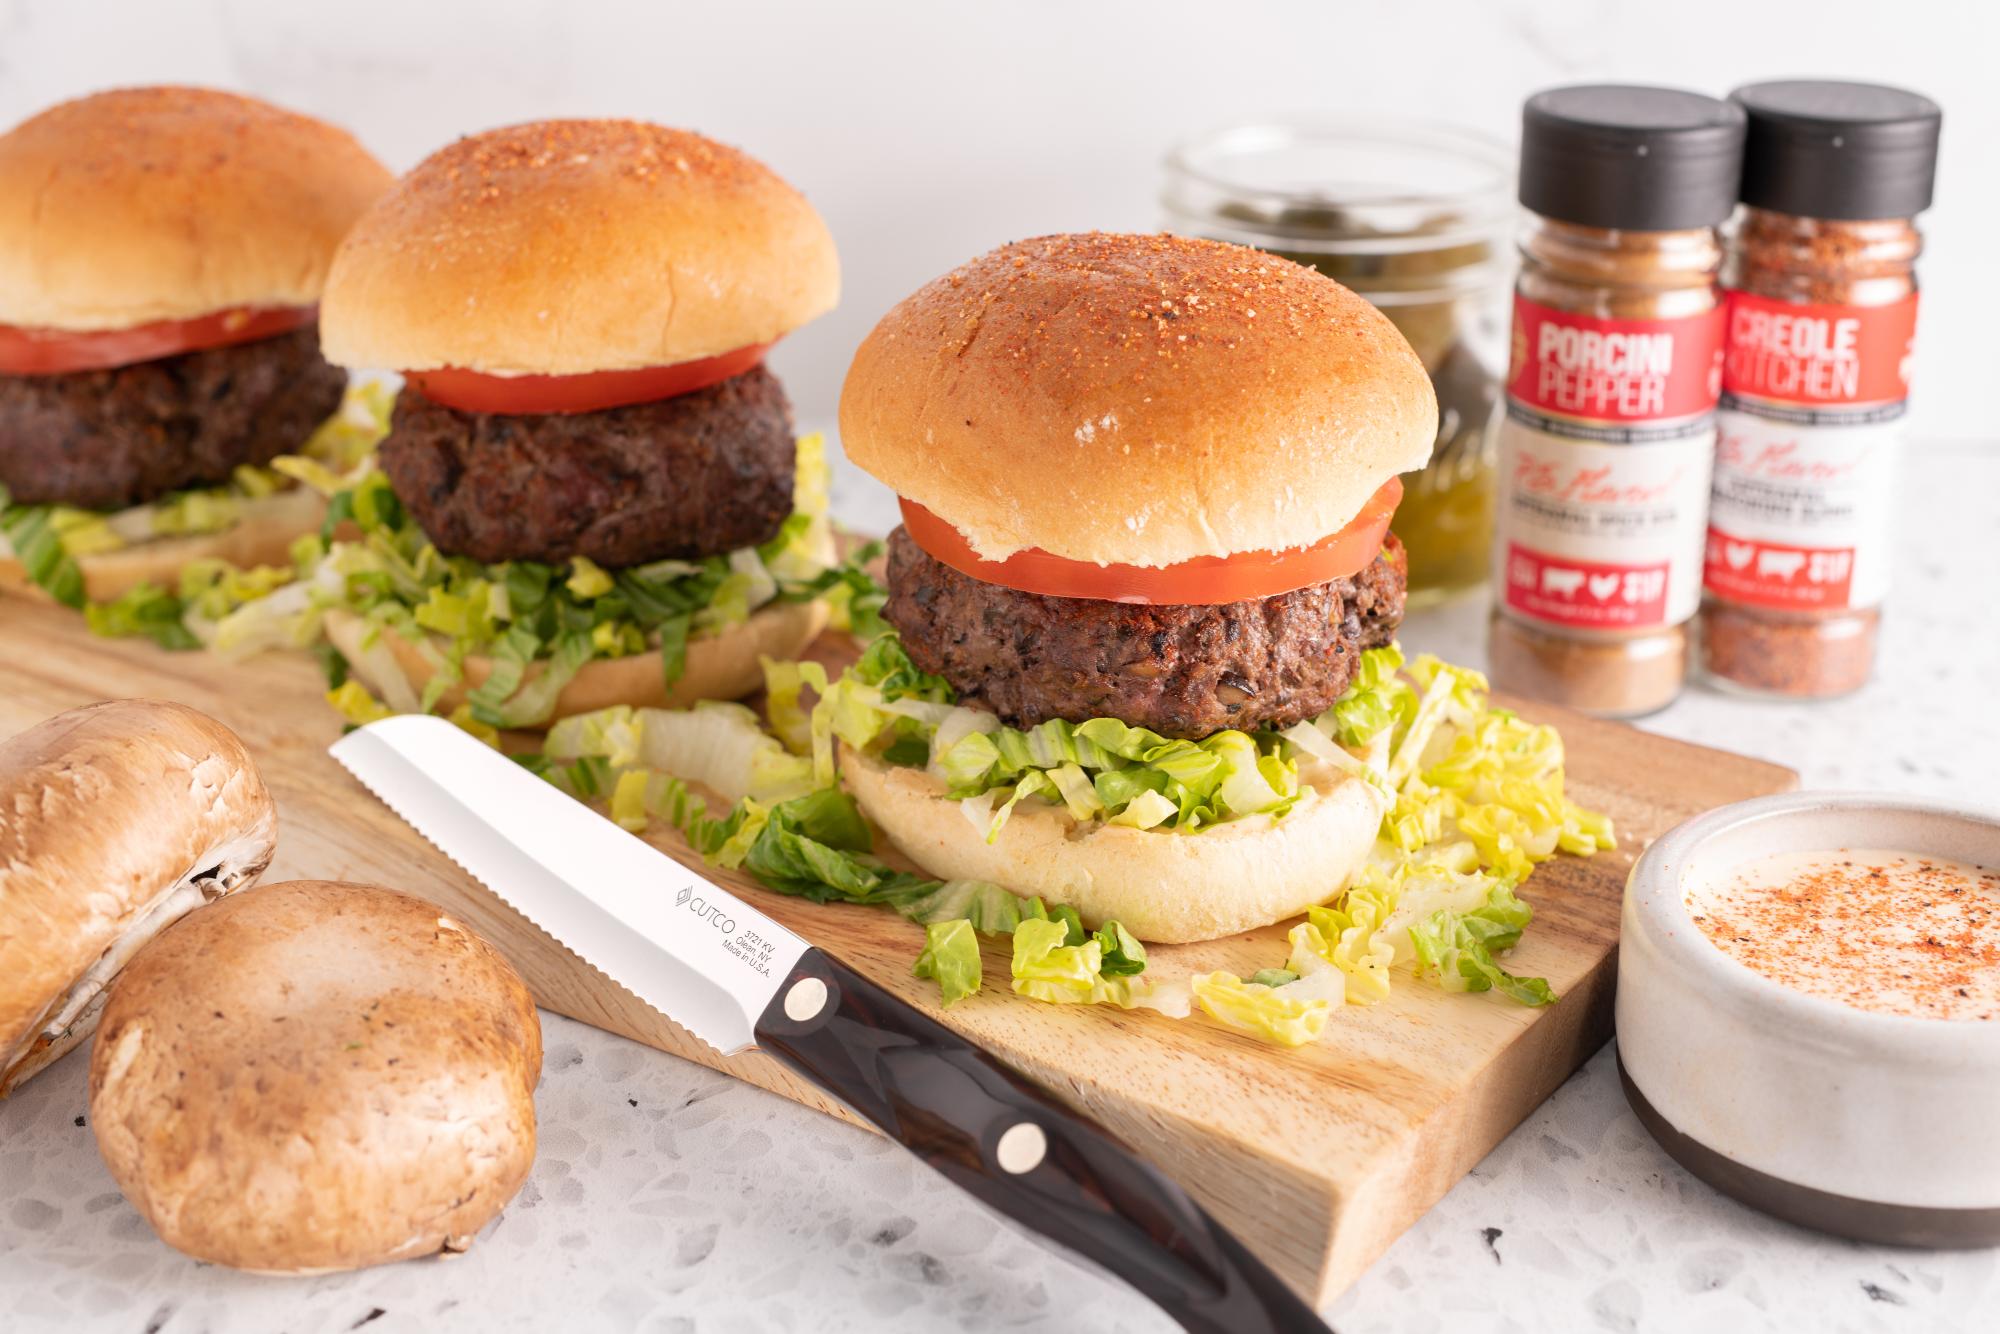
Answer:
(1822, 304)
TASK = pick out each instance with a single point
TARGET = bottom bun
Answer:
(719, 666)
(1162, 887)
(263, 536)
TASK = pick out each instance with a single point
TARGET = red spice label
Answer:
(1818, 356)
(1587, 594)
(1617, 371)
(1767, 574)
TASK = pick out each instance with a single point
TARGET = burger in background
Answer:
(161, 254)
(590, 493)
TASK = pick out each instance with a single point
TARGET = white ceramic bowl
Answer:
(1870, 1125)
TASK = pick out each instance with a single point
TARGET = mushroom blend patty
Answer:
(1182, 671)
(697, 475)
(126, 436)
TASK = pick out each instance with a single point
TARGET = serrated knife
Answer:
(735, 978)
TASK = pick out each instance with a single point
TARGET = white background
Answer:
(928, 132)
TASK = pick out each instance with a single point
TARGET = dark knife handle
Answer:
(1016, 1148)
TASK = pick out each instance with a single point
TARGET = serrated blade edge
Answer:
(698, 954)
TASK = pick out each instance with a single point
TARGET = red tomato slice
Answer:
(1203, 581)
(60, 351)
(592, 391)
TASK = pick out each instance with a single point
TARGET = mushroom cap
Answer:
(315, 1076)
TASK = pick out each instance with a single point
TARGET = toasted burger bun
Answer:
(721, 666)
(1137, 400)
(166, 203)
(263, 536)
(1162, 887)
(567, 246)
(115, 821)
(317, 1076)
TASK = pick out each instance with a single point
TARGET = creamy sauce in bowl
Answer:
(1880, 930)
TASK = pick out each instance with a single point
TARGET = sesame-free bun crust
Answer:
(316, 1076)
(263, 536)
(167, 203)
(719, 666)
(561, 247)
(115, 820)
(1162, 887)
(1136, 400)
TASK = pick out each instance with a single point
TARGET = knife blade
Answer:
(728, 973)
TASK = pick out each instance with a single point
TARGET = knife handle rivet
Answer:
(1021, 1148)
(806, 999)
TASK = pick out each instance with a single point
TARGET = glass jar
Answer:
(1417, 219)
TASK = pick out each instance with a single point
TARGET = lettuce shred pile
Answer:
(1471, 798)
(539, 624)
(48, 540)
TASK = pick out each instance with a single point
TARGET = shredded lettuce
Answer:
(720, 745)
(1102, 769)
(1266, 1012)
(951, 957)
(1455, 950)
(1471, 798)
(32, 536)
(539, 624)
(49, 539)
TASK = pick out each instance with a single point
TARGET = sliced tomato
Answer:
(1203, 581)
(592, 391)
(27, 351)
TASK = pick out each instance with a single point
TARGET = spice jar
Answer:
(1416, 219)
(1822, 300)
(1611, 394)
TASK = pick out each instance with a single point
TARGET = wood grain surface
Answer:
(1317, 1157)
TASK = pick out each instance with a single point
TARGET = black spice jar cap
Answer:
(1630, 158)
(1850, 151)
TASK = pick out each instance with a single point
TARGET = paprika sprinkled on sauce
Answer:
(1892, 932)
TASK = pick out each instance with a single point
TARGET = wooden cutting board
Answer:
(1317, 1157)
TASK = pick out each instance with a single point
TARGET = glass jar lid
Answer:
(1439, 198)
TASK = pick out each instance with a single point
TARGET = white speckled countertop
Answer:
(668, 1198)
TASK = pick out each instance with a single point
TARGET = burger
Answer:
(590, 492)
(161, 254)
(1144, 591)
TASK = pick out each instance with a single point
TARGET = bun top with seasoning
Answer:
(571, 246)
(1136, 400)
(168, 203)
